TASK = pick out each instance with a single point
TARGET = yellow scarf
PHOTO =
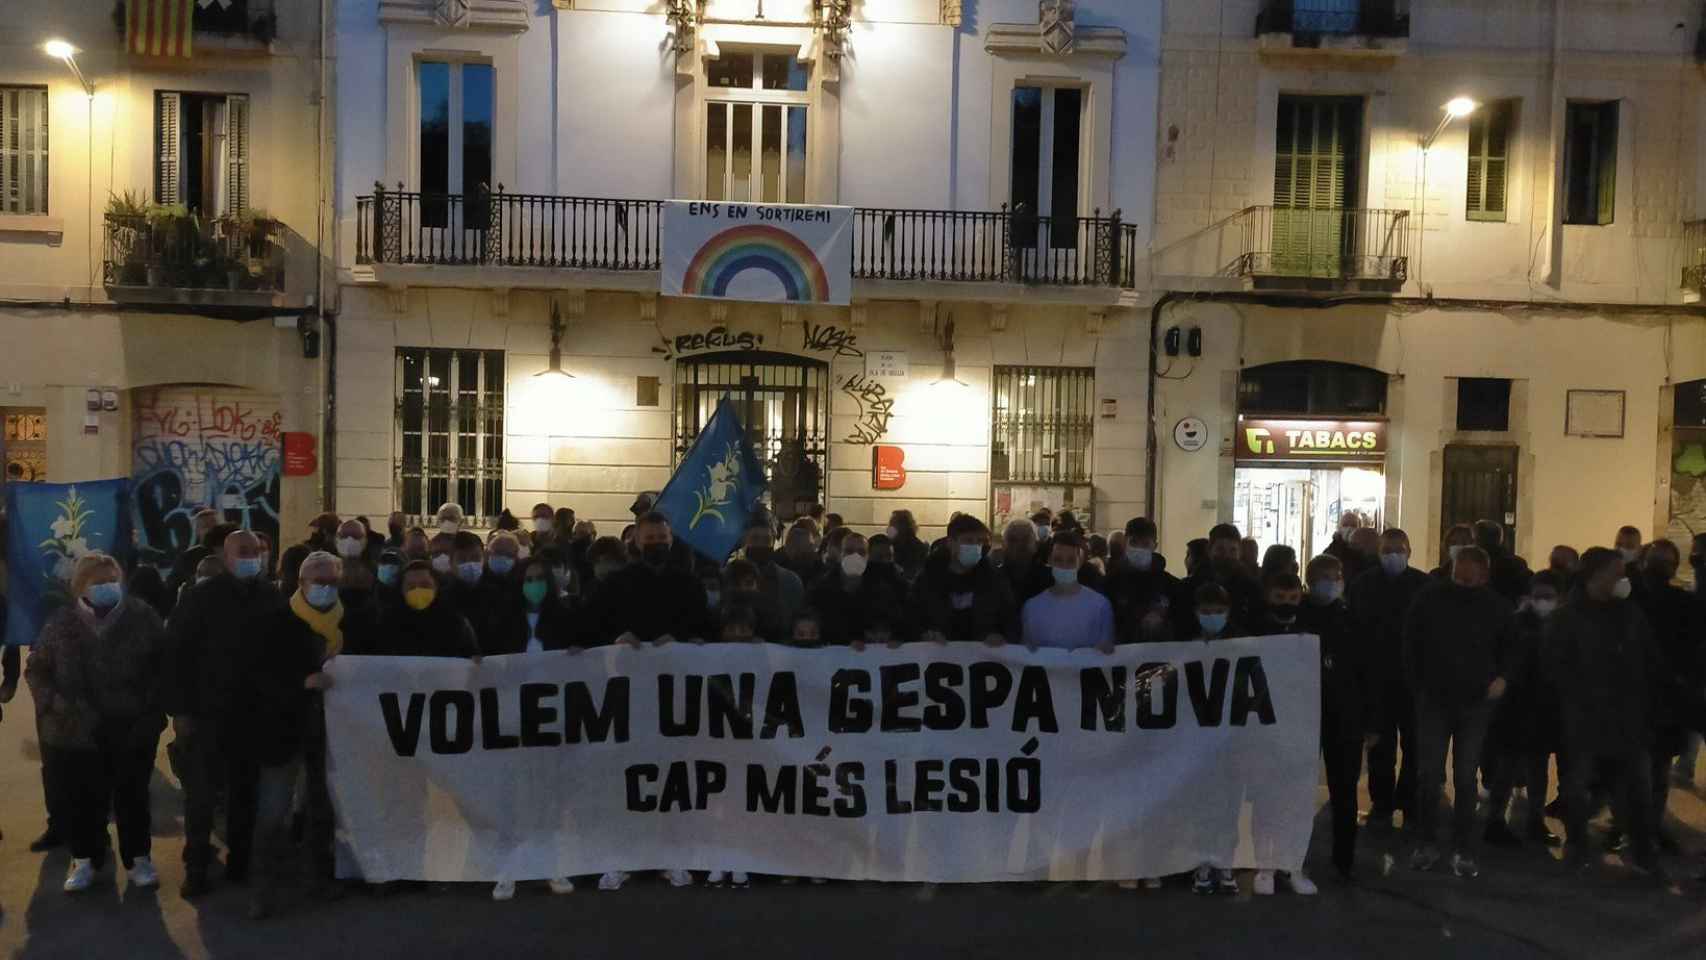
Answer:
(323, 622)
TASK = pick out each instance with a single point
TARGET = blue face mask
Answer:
(320, 596)
(1140, 557)
(104, 595)
(388, 574)
(1064, 577)
(1394, 563)
(969, 554)
(247, 568)
(1326, 591)
(501, 564)
(1212, 623)
(469, 572)
(711, 598)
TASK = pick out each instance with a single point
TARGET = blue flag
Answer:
(712, 494)
(49, 526)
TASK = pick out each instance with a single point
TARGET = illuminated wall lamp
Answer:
(1456, 108)
(67, 54)
(948, 379)
(554, 371)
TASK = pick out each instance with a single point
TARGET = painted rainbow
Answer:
(756, 247)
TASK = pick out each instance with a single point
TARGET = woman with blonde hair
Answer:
(96, 674)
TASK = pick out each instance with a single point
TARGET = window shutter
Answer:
(237, 155)
(1489, 162)
(1606, 144)
(23, 150)
(167, 113)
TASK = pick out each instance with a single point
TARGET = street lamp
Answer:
(948, 380)
(67, 54)
(555, 372)
(1456, 108)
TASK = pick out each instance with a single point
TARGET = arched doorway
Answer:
(1310, 447)
(784, 403)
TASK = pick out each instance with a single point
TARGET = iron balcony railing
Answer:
(1364, 18)
(531, 230)
(1343, 244)
(187, 252)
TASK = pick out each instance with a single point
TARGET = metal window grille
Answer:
(1043, 424)
(784, 405)
(449, 443)
(23, 149)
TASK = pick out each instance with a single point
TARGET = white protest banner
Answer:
(924, 763)
(771, 252)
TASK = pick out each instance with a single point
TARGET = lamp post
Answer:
(1456, 108)
(67, 54)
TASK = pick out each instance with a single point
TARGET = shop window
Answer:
(1490, 131)
(201, 143)
(1043, 422)
(1484, 403)
(1590, 163)
(25, 445)
(23, 149)
(449, 443)
(755, 128)
(1312, 387)
(784, 404)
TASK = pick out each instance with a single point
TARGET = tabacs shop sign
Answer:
(1318, 441)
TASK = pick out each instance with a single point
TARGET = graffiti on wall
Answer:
(199, 448)
(814, 338)
(827, 338)
(876, 408)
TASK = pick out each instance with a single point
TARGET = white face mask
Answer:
(350, 547)
(893, 533)
(853, 565)
(1140, 557)
(1543, 608)
(448, 526)
(541, 524)
(441, 563)
(1623, 588)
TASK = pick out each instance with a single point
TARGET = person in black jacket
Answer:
(863, 603)
(960, 596)
(1140, 588)
(1509, 575)
(1524, 734)
(909, 551)
(1459, 538)
(1601, 658)
(531, 616)
(1679, 679)
(425, 623)
(208, 638)
(1021, 563)
(1222, 567)
(1456, 654)
(653, 601)
(1378, 601)
(1347, 700)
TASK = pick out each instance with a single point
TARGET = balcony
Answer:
(233, 25)
(170, 258)
(1361, 29)
(618, 243)
(1345, 250)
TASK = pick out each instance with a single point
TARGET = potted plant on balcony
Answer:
(127, 216)
(259, 245)
(167, 227)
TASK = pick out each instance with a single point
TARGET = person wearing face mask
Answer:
(468, 588)
(533, 616)
(426, 623)
(1524, 733)
(387, 580)
(652, 601)
(1679, 639)
(780, 592)
(1457, 653)
(1068, 615)
(543, 526)
(449, 519)
(910, 553)
(960, 596)
(440, 555)
(210, 634)
(322, 535)
(1139, 587)
(359, 578)
(1628, 546)
(1377, 601)
(1460, 537)
(1214, 615)
(1601, 658)
(1221, 566)
(283, 731)
(1349, 523)
(857, 603)
(95, 675)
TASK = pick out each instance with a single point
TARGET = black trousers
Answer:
(321, 820)
(111, 777)
(1628, 774)
(1391, 781)
(1343, 758)
(209, 764)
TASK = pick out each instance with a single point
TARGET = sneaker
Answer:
(679, 878)
(1387, 862)
(1202, 881)
(739, 879)
(716, 878)
(1151, 883)
(143, 875)
(1424, 858)
(1464, 867)
(1263, 884)
(81, 876)
(561, 885)
(503, 890)
(1301, 884)
(612, 880)
(1226, 882)
(1128, 884)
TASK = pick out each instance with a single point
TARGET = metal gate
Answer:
(1480, 484)
(783, 402)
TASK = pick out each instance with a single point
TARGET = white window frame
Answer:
(453, 176)
(757, 97)
(24, 158)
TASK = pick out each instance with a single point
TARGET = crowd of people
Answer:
(1598, 661)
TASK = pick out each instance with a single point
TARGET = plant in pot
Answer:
(127, 251)
(172, 229)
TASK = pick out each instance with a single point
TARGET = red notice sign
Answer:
(300, 459)
(888, 468)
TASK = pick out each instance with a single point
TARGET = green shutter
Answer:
(1606, 161)
(168, 108)
(1316, 151)
(1489, 161)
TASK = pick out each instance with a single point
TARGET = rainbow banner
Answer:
(159, 28)
(768, 252)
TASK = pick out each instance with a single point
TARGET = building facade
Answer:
(501, 164)
(159, 256)
(1442, 261)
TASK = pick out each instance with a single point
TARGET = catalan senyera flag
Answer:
(159, 28)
